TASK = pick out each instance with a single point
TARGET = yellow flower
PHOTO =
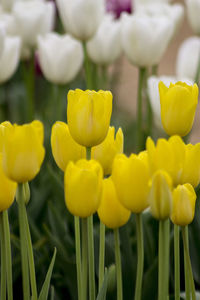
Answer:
(178, 107)
(23, 151)
(3, 127)
(183, 208)
(130, 176)
(8, 189)
(83, 187)
(64, 148)
(167, 155)
(88, 116)
(160, 195)
(107, 150)
(191, 166)
(111, 212)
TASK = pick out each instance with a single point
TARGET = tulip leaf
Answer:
(102, 293)
(45, 288)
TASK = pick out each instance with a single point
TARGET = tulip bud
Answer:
(23, 151)
(183, 208)
(178, 107)
(107, 150)
(83, 187)
(131, 176)
(193, 12)
(8, 189)
(160, 196)
(88, 116)
(111, 212)
(64, 148)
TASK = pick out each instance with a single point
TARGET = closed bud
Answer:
(183, 208)
(108, 149)
(83, 187)
(88, 116)
(160, 195)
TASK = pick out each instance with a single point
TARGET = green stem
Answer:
(140, 253)
(161, 262)
(84, 259)
(197, 76)
(177, 262)
(104, 75)
(154, 70)
(88, 153)
(23, 243)
(166, 255)
(78, 256)
(3, 260)
(187, 283)
(6, 229)
(139, 107)
(188, 262)
(57, 107)
(87, 64)
(91, 258)
(118, 265)
(101, 254)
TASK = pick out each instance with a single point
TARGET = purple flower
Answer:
(118, 6)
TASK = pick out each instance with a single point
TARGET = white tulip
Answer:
(81, 18)
(105, 47)
(2, 38)
(188, 58)
(8, 22)
(33, 18)
(145, 38)
(137, 3)
(7, 4)
(173, 12)
(9, 58)
(193, 12)
(153, 93)
(60, 57)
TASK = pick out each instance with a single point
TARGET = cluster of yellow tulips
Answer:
(98, 177)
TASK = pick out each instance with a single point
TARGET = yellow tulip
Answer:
(88, 116)
(191, 166)
(167, 155)
(178, 106)
(64, 148)
(107, 150)
(130, 176)
(3, 127)
(160, 195)
(111, 212)
(83, 187)
(183, 208)
(8, 189)
(23, 151)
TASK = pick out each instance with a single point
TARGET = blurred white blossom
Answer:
(81, 18)
(188, 58)
(153, 93)
(105, 47)
(7, 4)
(8, 22)
(60, 57)
(193, 12)
(136, 3)
(145, 38)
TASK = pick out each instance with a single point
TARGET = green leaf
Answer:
(45, 288)
(102, 293)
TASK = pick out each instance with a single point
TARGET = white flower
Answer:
(9, 58)
(193, 12)
(2, 38)
(145, 38)
(105, 47)
(60, 57)
(7, 4)
(137, 3)
(8, 22)
(153, 92)
(33, 18)
(81, 18)
(188, 58)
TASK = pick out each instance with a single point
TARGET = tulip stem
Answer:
(23, 244)
(188, 262)
(78, 256)
(3, 260)
(88, 153)
(140, 254)
(154, 70)
(177, 262)
(91, 258)
(139, 107)
(87, 67)
(101, 254)
(6, 229)
(118, 265)
(197, 76)
(187, 283)
(84, 259)
(57, 108)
